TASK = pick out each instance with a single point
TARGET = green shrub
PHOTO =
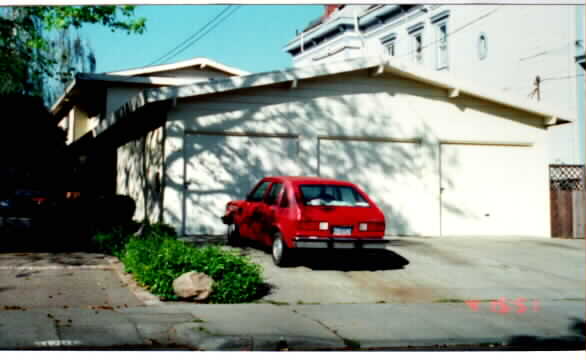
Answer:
(113, 240)
(158, 229)
(157, 258)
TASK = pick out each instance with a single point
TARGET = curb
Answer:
(142, 295)
(189, 334)
(195, 337)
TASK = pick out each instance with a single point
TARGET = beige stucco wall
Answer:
(139, 174)
(353, 105)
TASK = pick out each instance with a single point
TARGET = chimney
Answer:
(329, 10)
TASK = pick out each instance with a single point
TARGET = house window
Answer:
(389, 44)
(442, 59)
(417, 47)
(482, 46)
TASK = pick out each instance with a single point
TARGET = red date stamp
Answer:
(518, 305)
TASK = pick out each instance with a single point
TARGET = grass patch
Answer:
(448, 301)
(352, 344)
(155, 257)
(301, 302)
(205, 331)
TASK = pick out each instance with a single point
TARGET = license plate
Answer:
(342, 231)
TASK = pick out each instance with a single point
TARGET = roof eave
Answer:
(63, 99)
(447, 82)
(202, 62)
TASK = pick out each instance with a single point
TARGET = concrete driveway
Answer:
(434, 270)
(62, 280)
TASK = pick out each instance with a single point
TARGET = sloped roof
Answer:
(443, 80)
(200, 62)
(141, 76)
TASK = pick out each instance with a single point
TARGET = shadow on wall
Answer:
(221, 168)
(139, 168)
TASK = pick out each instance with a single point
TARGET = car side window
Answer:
(274, 193)
(285, 199)
(258, 194)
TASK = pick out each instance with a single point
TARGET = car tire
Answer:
(280, 253)
(233, 235)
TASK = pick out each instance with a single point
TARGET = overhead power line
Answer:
(198, 35)
(563, 77)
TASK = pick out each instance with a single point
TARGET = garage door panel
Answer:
(220, 168)
(392, 175)
(491, 190)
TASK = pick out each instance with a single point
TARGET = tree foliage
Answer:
(27, 55)
(32, 148)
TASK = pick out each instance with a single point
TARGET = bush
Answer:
(156, 260)
(112, 241)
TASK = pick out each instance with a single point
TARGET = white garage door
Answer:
(224, 167)
(491, 190)
(391, 173)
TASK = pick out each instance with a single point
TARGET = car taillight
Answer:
(372, 226)
(313, 225)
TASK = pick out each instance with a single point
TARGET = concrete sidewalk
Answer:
(557, 325)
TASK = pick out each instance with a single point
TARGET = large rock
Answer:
(193, 285)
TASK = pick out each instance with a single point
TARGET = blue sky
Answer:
(251, 39)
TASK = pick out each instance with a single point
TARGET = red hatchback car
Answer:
(289, 212)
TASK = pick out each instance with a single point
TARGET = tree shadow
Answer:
(576, 341)
(202, 168)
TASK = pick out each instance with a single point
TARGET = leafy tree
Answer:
(28, 56)
(32, 148)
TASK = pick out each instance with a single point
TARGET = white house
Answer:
(531, 51)
(442, 156)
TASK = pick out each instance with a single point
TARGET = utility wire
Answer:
(232, 11)
(546, 52)
(182, 46)
(455, 31)
(563, 77)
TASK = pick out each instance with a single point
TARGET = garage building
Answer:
(440, 156)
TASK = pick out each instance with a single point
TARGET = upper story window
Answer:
(442, 45)
(418, 47)
(440, 23)
(482, 46)
(416, 34)
(389, 44)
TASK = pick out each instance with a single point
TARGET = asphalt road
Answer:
(434, 270)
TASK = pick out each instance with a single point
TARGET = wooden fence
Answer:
(568, 201)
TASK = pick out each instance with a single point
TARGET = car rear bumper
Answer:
(339, 243)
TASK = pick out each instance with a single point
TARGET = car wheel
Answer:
(280, 252)
(233, 235)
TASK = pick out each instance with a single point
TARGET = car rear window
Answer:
(331, 195)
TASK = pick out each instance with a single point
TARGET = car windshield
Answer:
(331, 195)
